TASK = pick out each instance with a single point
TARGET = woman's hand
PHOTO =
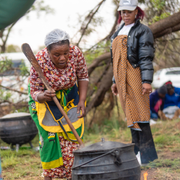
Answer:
(146, 88)
(81, 107)
(114, 89)
(82, 86)
(46, 96)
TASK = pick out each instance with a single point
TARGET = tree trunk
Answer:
(104, 86)
(166, 26)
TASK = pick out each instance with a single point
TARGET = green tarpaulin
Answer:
(12, 10)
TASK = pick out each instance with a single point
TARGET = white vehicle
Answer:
(168, 74)
(12, 78)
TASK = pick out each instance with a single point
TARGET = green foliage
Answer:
(24, 70)
(159, 4)
(95, 52)
(5, 64)
(4, 95)
(160, 9)
(162, 16)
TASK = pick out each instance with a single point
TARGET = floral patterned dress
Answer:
(58, 79)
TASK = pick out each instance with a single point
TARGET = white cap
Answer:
(128, 5)
(55, 36)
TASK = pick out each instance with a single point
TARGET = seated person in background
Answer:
(157, 101)
(172, 102)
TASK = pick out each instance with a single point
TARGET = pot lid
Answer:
(103, 146)
(12, 115)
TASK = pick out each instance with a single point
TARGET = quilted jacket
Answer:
(140, 49)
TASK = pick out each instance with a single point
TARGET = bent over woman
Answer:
(132, 54)
(64, 67)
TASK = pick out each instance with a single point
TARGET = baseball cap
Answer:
(128, 5)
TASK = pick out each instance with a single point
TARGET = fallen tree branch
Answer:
(165, 23)
(167, 31)
(96, 61)
(104, 86)
(90, 93)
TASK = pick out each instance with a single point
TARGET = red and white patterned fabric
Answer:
(67, 148)
(58, 79)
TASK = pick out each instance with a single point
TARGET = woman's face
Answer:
(129, 17)
(59, 55)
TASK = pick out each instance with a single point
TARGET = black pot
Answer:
(106, 161)
(17, 128)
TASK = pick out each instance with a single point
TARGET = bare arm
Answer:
(82, 86)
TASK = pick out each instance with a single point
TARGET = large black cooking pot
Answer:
(106, 161)
(17, 128)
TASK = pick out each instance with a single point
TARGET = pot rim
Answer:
(119, 145)
(15, 118)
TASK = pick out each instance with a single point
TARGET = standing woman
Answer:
(64, 67)
(132, 55)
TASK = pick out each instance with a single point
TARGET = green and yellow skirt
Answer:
(54, 131)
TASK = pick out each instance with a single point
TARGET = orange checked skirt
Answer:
(129, 84)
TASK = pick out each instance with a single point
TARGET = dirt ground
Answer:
(154, 172)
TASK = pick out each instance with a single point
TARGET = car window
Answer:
(173, 73)
(15, 70)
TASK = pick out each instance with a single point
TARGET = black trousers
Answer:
(144, 143)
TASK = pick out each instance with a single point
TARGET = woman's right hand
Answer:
(46, 96)
(114, 89)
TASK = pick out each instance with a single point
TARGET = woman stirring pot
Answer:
(65, 69)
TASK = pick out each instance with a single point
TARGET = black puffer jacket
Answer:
(140, 49)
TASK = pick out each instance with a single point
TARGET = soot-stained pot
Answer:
(106, 161)
(17, 128)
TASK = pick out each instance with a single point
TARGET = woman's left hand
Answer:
(146, 88)
(81, 107)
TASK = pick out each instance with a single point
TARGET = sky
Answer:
(65, 17)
